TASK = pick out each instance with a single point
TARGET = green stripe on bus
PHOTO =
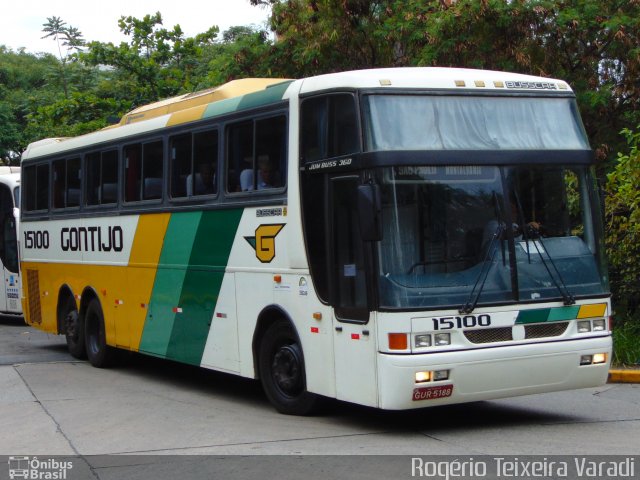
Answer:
(532, 316)
(547, 315)
(203, 280)
(271, 94)
(563, 313)
(175, 255)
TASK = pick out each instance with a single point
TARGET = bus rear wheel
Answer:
(100, 354)
(282, 372)
(74, 331)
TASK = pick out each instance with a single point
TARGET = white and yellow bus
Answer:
(397, 238)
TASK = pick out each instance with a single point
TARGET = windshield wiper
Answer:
(474, 295)
(567, 296)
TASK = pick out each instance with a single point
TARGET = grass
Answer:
(626, 345)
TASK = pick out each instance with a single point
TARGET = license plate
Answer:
(432, 393)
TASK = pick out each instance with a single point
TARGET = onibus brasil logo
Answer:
(35, 469)
(264, 241)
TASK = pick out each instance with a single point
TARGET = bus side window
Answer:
(66, 183)
(257, 154)
(152, 171)
(180, 164)
(329, 127)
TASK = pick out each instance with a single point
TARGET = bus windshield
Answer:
(466, 235)
(431, 122)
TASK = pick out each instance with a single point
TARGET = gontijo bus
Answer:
(398, 238)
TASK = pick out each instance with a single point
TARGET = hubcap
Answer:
(286, 369)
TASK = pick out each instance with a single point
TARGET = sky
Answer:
(21, 20)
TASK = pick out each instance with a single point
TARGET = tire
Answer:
(74, 330)
(282, 372)
(99, 353)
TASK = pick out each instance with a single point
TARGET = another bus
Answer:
(397, 238)
(9, 217)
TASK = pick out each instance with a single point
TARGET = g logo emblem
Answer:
(264, 242)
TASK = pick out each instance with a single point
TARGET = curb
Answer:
(624, 376)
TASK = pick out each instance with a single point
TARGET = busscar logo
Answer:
(264, 241)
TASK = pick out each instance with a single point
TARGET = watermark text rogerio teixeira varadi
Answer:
(529, 467)
(35, 468)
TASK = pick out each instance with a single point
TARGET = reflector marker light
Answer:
(176, 310)
(479, 83)
(315, 330)
(460, 83)
(397, 341)
(317, 316)
(221, 315)
(119, 302)
(355, 336)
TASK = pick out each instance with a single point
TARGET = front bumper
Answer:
(490, 373)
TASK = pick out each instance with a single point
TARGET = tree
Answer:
(65, 36)
(156, 63)
(622, 215)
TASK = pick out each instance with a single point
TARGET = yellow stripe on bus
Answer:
(145, 254)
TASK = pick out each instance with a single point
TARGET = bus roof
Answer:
(252, 92)
(432, 78)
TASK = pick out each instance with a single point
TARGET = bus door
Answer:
(353, 323)
(9, 294)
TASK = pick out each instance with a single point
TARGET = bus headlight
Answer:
(441, 339)
(599, 325)
(584, 326)
(421, 341)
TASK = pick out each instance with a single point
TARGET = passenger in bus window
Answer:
(205, 180)
(267, 176)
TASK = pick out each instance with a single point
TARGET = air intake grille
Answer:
(489, 335)
(33, 291)
(544, 330)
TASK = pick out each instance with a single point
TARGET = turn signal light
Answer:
(398, 341)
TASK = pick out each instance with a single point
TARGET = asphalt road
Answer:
(53, 405)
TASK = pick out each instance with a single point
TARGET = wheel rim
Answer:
(286, 370)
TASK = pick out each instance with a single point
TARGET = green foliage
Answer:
(626, 344)
(155, 63)
(622, 215)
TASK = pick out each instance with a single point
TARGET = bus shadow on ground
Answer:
(249, 392)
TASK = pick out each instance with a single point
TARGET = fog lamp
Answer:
(584, 326)
(422, 341)
(586, 359)
(599, 325)
(599, 358)
(440, 375)
(422, 377)
(442, 339)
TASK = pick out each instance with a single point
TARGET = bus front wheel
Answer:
(282, 371)
(100, 354)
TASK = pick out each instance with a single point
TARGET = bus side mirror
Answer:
(370, 212)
